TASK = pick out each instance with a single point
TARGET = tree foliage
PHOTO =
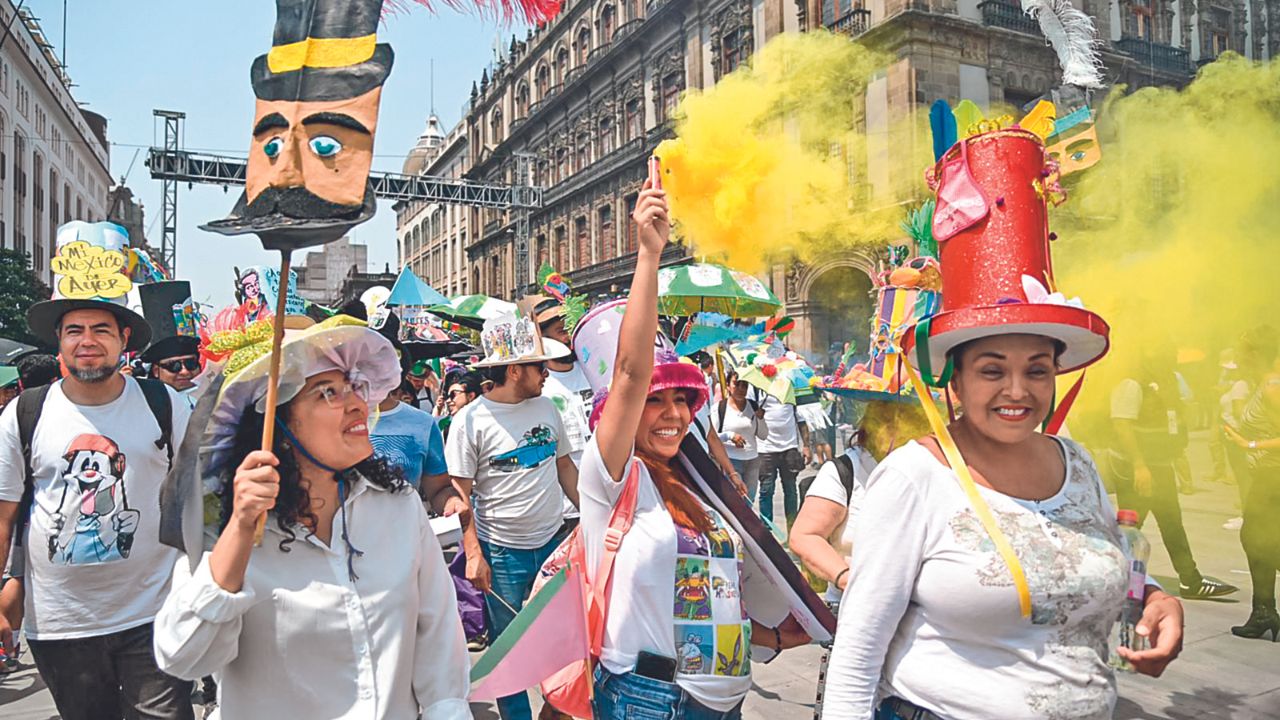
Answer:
(20, 288)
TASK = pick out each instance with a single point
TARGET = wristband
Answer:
(839, 575)
(777, 641)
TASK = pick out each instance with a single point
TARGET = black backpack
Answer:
(844, 468)
(30, 407)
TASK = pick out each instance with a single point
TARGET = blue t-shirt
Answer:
(410, 440)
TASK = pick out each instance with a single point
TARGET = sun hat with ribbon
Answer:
(595, 340)
(515, 339)
(339, 343)
(991, 224)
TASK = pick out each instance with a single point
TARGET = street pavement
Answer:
(1218, 676)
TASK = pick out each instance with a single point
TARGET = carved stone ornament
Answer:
(795, 275)
(735, 16)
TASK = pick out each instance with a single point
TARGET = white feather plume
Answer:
(1073, 37)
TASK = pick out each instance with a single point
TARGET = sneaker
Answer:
(1234, 523)
(1208, 588)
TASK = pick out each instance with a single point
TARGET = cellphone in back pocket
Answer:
(656, 667)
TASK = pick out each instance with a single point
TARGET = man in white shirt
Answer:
(784, 453)
(508, 452)
(95, 571)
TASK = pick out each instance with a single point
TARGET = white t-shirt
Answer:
(95, 564)
(675, 592)
(510, 451)
(566, 390)
(741, 422)
(931, 615)
(826, 485)
(784, 434)
(1238, 392)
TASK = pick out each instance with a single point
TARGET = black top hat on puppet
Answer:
(317, 96)
(90, 273)
(172, 316)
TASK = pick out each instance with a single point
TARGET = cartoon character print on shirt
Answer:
(1077, 573)
(711, 631)
(536, 447)
(93, 522)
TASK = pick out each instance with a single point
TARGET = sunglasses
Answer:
(455, 393)
(177, 366)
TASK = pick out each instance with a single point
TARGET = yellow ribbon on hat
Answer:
(961, 469)
(321, 53)
(253, 341)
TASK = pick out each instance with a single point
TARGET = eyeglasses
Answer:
(176, 366)
(335, 396)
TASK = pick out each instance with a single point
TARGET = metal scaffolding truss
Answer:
(170, 164)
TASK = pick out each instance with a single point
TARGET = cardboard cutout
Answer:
(317, 93)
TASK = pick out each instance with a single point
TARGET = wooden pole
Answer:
(273, 377)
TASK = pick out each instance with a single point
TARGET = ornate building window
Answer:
(669, 95)
(605, 133)
(634, 120)
(562, 65)
(562, 165)
(542, 253)
(582, 152)
(562, 250)
(522, 100)
(607, 245)
(633, 237)
(542, 79)
(1217, 36)
(607, 24)
(1150, 20)
(20, 192)
(582, 46)
(732, 38)
(37, 213)
(495, 126)
(582, 240)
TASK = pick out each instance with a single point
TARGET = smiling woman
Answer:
(348, 544)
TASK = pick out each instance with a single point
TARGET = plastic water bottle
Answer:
(1138, 551)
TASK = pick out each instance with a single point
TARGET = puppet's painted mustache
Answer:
(297, 202)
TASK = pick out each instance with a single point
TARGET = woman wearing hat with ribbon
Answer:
(346, 609)
(988, 567)
(677, 636)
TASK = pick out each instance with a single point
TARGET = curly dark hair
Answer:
(293, 504)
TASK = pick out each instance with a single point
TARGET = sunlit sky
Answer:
(128, 58)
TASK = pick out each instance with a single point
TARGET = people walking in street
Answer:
(988, 567)
(81, 502)
(783, 454)
(410, 441)
(346, 609)
(507, 451)
(693, 661)
(1150, 436)
(741, 425)
(173, 354)
(1259, 437)
(462, 387)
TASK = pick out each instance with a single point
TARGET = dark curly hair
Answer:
(293, 504)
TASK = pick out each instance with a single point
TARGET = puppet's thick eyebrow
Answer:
(331, 118)
(274, 121)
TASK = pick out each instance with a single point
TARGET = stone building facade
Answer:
(431, 238)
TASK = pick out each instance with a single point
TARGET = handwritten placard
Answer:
(87, 271)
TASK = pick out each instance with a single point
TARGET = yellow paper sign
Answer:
(87, 271)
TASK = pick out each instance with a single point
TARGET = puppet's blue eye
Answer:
(273, 147)
(325, 146)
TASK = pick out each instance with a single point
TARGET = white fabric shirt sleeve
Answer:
(441, 668)
(889, 547)
(564, 444)
(460, 452)
(13, 470)
(197, 631)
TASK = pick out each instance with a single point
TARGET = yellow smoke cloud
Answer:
(1173, 236)
(760, 169)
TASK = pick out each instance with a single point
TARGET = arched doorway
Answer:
(840, 307)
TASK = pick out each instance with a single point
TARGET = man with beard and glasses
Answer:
(83, 505)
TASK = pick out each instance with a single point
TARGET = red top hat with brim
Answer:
(991, 223)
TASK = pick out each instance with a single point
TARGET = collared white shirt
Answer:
(303, 640)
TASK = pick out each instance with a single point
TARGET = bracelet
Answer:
(777, 640)
(839, 575)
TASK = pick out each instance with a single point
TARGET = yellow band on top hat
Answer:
(321, 53)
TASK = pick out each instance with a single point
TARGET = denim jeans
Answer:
(513, 571)
(750, 472)
(634, 697)
(89, 676)
(773, 464)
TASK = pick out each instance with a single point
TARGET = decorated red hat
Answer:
(991, 224)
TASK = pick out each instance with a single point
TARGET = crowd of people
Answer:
(345, 607)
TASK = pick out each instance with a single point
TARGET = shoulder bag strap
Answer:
(157, 395)
(624, 512)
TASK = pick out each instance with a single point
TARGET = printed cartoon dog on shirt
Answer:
(102, 523)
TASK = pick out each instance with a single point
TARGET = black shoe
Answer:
(1208, 588)
(1262, 620)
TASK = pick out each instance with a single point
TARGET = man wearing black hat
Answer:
(96, 574)
(174, 350)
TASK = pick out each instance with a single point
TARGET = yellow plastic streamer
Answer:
(961, 468)
(321, 53)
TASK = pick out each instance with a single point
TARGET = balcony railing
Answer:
(576, 73)
(853, 23)
(1155, 55)
(1007, 15)
(619, 269)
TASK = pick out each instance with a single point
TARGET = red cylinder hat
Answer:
(991, 223)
